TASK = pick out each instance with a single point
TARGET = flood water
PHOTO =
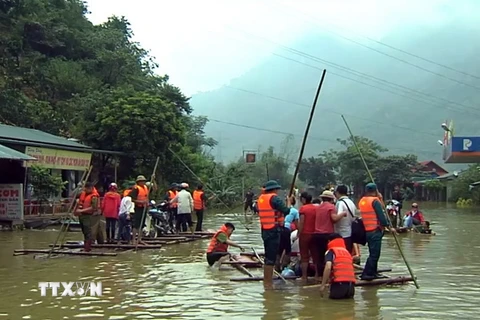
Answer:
(175, 282)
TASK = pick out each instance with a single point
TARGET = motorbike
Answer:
(255, 207)
(393, 209)
(157, 220)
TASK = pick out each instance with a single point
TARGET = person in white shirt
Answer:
(344, 226)
(184, 202)
(127, 207)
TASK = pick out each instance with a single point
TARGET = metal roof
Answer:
(32, 135)
(7, 153)
(37, 138)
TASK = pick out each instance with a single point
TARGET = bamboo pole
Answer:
(145, 208)
(64, 227)
(386, 215)
(263, 264)
(307, 129)
(208, 187)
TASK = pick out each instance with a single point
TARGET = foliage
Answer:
(317, 172)
(64, 75)
(395, 170)
(461, 185)
(433, 185)
(44, 184)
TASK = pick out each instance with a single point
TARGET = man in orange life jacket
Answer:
(139, 196)
(199, 204)
(88, 204)
(172, 208)
(338, 269)
(374, 220)
(218, 247)
(272, 211)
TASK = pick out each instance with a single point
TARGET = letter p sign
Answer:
(467, 143)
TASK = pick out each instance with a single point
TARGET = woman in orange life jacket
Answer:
(271, 211)
(218, 248)
(88, 204)
(338, 270)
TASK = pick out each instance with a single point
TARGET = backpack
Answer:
(358, 229)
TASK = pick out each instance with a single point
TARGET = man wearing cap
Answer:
(272, 211)
(184, 202)
(139, 196)
(374, 220)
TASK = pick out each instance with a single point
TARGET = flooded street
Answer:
(175, 282)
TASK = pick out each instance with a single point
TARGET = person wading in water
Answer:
(88, 205)
(272, 211)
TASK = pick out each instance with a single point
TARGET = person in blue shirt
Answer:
(285, 247)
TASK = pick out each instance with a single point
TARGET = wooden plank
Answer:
(251, 254)
(294, 277)
(375, 282)
(240, 267)
(67, 252)
(112, 246)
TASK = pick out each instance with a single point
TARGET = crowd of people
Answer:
(117, 218)
(317, 240)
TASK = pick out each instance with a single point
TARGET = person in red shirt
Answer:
(417, 215)
(110, 208)
(306, 228)
(325, 217)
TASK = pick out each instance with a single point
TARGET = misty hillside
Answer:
(453, 45)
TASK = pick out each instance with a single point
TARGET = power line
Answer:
(384, 82)
(313, 138)
(400, 59)
(329, 111)
(359, 74)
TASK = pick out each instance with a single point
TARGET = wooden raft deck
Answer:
(74, 247)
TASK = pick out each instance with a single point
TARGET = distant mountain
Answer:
(454, 45)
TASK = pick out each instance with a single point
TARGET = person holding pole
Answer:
(88, 205)
(272, 211)
(139, 196)
(374, 220)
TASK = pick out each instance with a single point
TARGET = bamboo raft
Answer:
(248, 260)
(74, 247)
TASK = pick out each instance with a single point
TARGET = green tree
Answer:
(395, 170)
(44, 184)
(317, 172)
(461, 185)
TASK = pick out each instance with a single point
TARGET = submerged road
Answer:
(175, 283)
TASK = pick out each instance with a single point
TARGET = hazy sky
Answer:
(201, 45)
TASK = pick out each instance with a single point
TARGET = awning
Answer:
(7, 153)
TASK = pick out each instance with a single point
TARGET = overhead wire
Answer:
(388, 55)
(313, 138)
(350, 70)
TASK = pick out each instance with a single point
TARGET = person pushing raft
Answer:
(217, 251)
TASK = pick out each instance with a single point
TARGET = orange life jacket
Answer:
(215, 245)
(126, 192)
(86, 201)
(269, 217)
(197, 200)
(342, 269)
(367, 211)
(171, 195)
(142, 194)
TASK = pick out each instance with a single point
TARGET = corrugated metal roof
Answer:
(7, 153)
(32, 135)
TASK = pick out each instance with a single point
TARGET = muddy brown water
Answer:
(175, 283)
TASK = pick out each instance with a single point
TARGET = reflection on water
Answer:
(175, 283)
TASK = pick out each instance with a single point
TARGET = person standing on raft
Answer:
(218, 248)
(139, 196)
(339, 271)
(199, 205)
(374, 220)
(88, 204)
(272, 211)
